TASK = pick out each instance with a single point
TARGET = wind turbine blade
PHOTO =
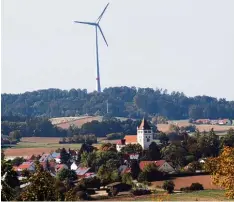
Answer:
(102, 35)
(99, 18)
(87, 23)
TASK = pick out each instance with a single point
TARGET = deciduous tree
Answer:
(41, 187)
(222, 170)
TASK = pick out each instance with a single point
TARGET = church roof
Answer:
(130, 139)
(144, 125)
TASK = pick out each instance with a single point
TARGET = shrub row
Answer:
(193, 187)
(138, 192)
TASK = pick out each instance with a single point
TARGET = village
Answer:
(137, 164)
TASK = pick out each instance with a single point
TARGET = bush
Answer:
(115, 191)
(64, 174)
(196, 187)
(127, 178)
(193, 187)
(82, 195)
(138, 192)
(142, 177)
(168, 185)
(93, 182)
(17, 161)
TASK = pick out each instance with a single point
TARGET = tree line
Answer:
(122, 101)
(42, 127)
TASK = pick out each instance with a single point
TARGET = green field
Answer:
(206, 195)
(46, 145)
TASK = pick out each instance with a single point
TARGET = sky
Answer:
(179, 45)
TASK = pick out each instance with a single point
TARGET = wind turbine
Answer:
(97, 27)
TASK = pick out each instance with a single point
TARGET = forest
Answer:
(122, 101)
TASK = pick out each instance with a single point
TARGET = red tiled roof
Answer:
(25, 165)
(130, 138)
(145, 163)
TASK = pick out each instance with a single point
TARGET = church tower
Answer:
(144, 134)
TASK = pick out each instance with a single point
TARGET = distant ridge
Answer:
(123, 101)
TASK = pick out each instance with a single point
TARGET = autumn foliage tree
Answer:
(41, 187)
(222, 170)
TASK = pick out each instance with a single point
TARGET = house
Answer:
(60, 167)
(133, 156)
(74, 166)
(214, 122)
(90, 175)
(162, 165)
(202, 121)
(51, 165)
(56, 157)
(124, 169)
(81, 171)
(55, 154)
(30, 166)
(72, 152)
(120, 144)
(225, 122)
(45, 157)
(144, 137)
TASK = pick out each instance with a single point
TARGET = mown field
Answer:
(205, 195)
(79, 122)
(38, 145)
(217, 128)
(64, 122)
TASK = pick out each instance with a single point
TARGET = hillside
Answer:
(122, 102)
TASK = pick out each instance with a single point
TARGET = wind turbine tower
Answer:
(97, 27)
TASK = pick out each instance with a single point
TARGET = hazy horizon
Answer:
(178, 45)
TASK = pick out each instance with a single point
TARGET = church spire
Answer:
(144, 125)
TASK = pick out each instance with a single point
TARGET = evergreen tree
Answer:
(135, 169)
(65, 157)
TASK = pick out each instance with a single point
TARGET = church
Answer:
(144, 137)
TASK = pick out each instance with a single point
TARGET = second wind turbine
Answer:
(97, 27)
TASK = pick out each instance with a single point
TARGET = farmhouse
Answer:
(30, 166)
(144, 137)
(162, 165)
(45, 157)
(74, 166)
(203, 121)
(225, 122)
(82, 172)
